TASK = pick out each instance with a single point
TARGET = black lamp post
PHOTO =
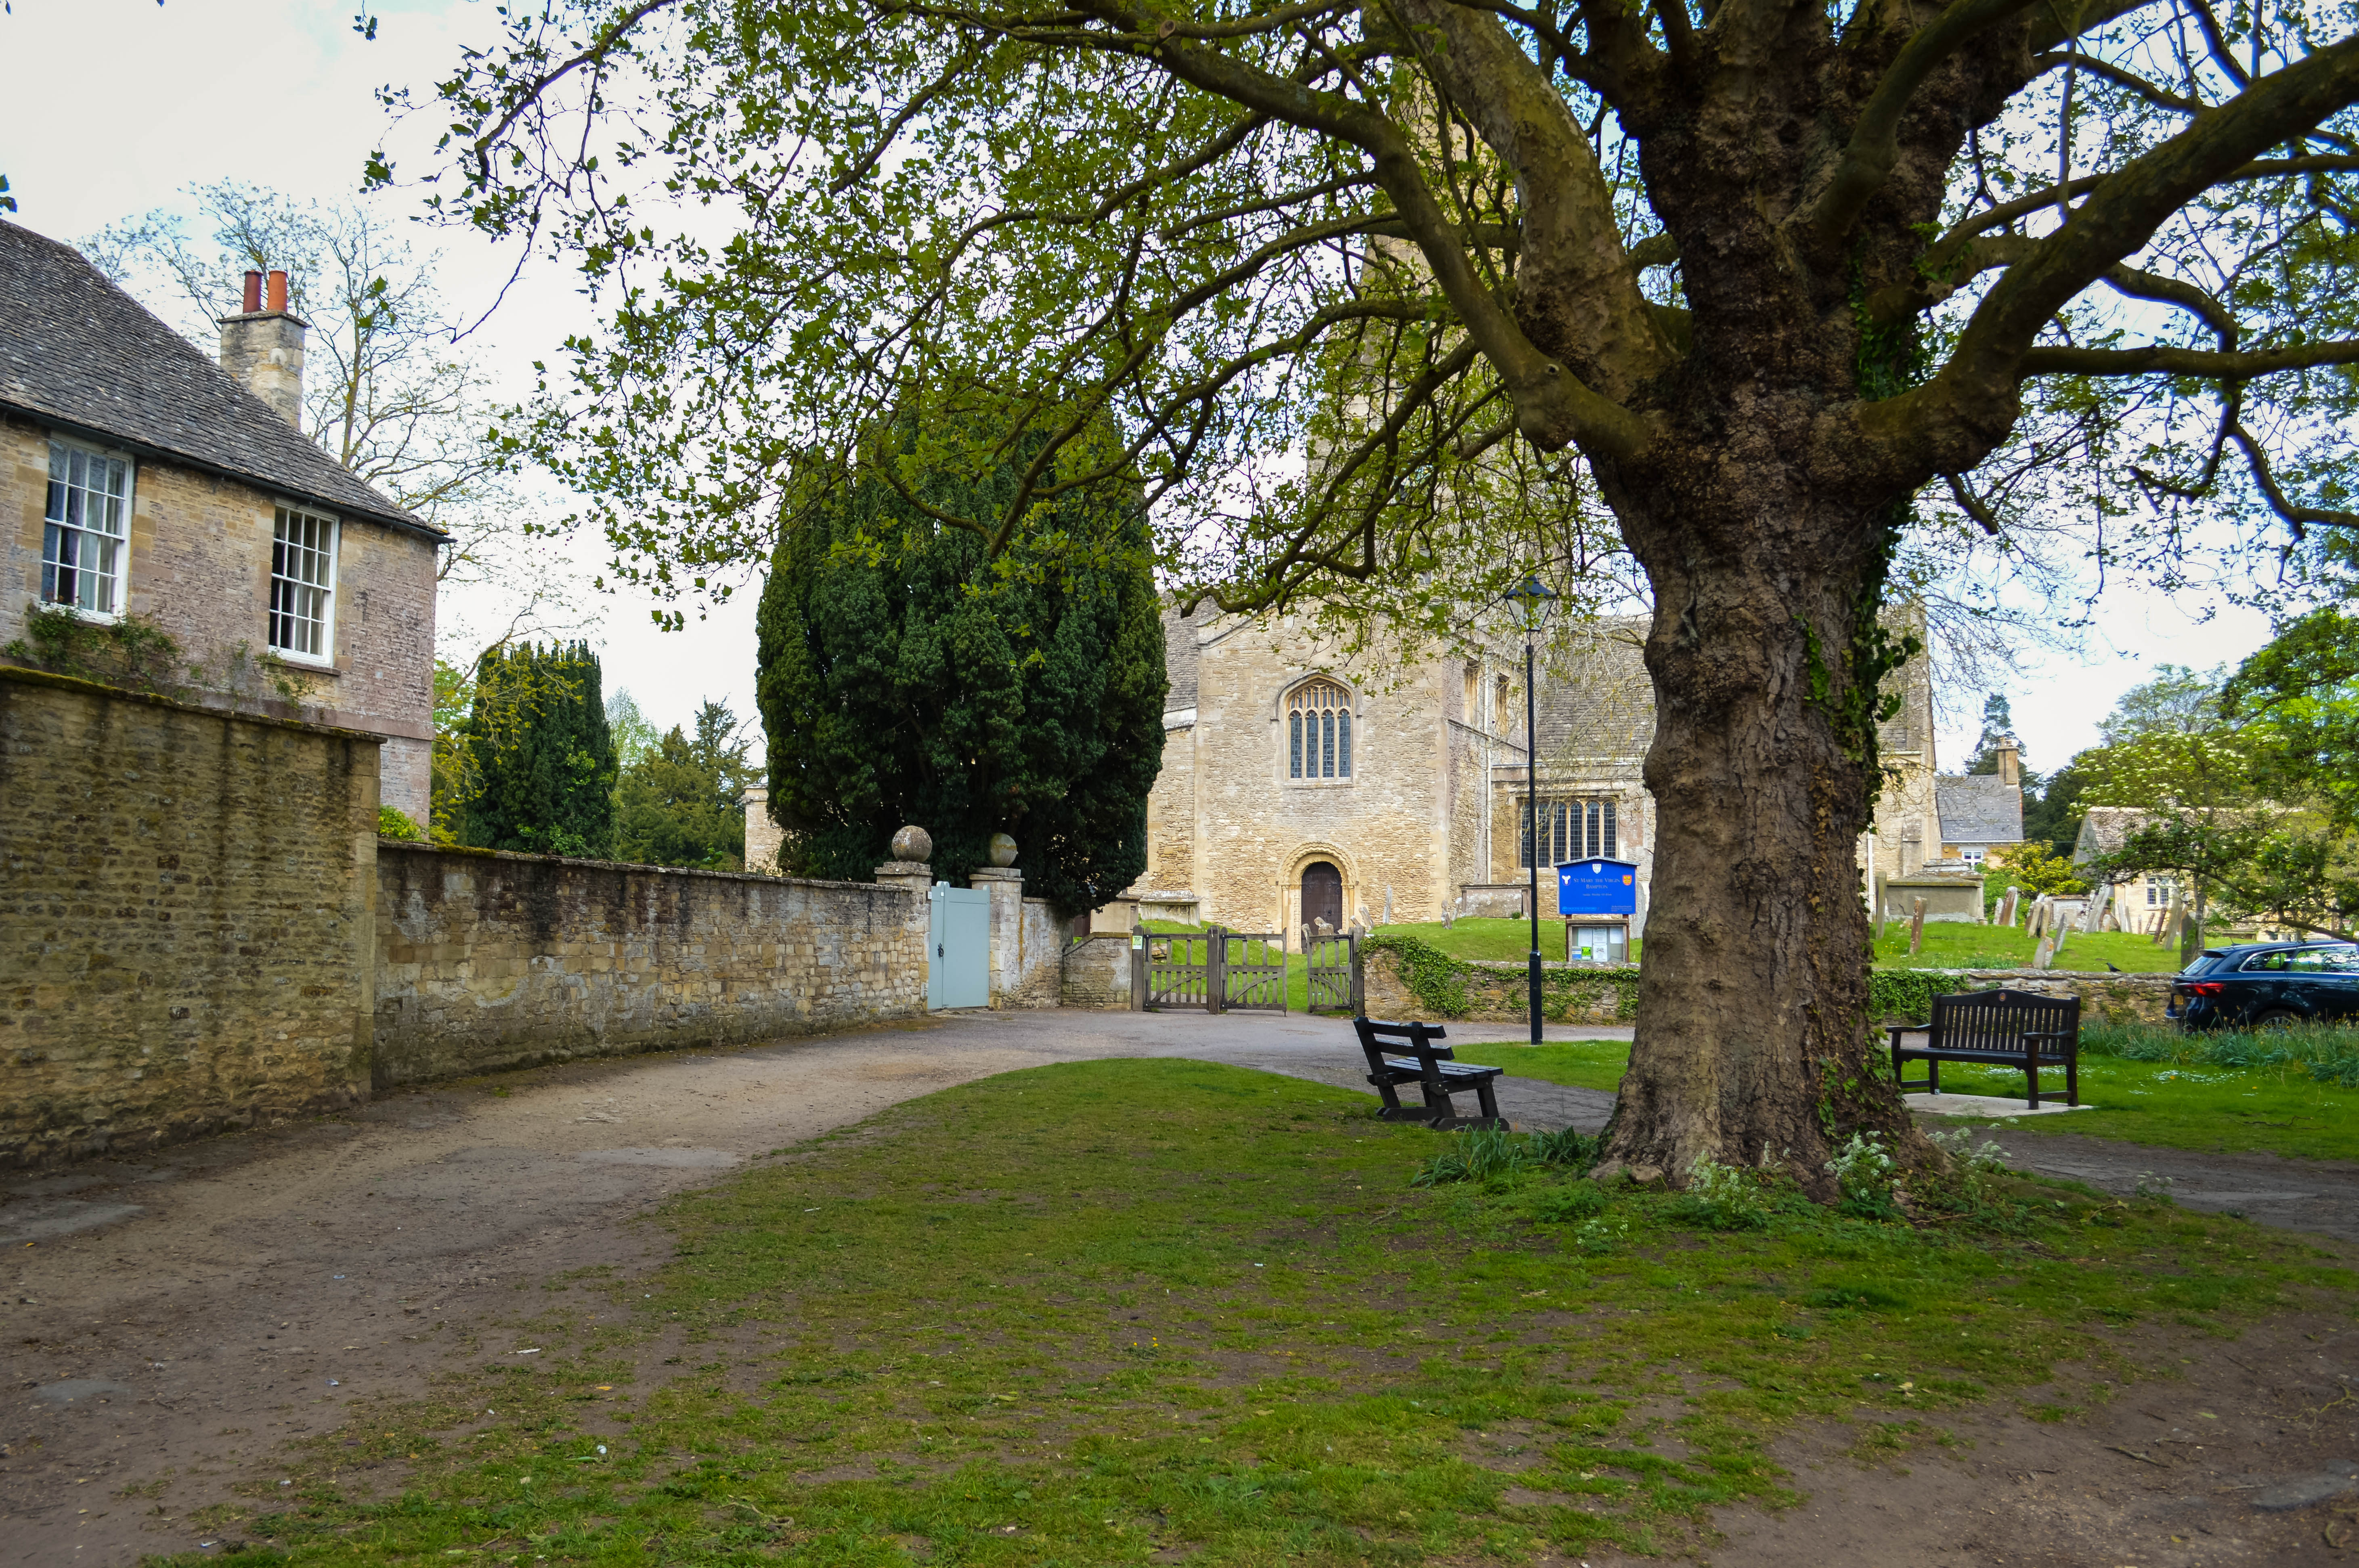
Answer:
(1532, 602)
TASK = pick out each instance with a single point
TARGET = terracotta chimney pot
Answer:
(254, 294)
(277, 291)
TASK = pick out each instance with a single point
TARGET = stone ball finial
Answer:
(913, 844)
(1002, 850)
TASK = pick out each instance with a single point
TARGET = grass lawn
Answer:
(1955, 946)
(1124, 1311)
(2264, 1110)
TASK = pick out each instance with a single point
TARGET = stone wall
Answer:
(1096, 972)
(2105, 997)
(1484, 992)
(1497, 992)
(199, 565)
(492, 960)
(186, 919)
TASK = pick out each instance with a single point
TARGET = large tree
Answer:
(679, 799)
(909, 675)
(1760, 271)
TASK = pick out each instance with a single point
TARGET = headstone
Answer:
(2006, 909)
(1879, 903)
(2046, 955)
(1916, 926)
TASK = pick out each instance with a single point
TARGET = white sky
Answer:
(281, 94)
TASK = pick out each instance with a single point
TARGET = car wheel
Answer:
(2277, 1018)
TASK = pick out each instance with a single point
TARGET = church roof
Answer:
(79, 353)
(1596, 700)
(1979, 808)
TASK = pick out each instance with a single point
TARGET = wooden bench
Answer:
(1997, 1029)
(1428, 1065)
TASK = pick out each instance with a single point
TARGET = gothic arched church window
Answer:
(1319, 731)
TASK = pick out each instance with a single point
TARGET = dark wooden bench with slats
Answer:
(2014, 1029)
(1423, 1061)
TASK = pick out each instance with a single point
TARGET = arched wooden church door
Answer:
(1322, 894)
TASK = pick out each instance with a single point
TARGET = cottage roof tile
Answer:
(1979, 808)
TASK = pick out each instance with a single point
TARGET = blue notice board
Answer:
(1597, 887)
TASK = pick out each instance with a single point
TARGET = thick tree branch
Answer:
(1555, 406)
(1875, 143)
(1576, 294)
(1963, 408)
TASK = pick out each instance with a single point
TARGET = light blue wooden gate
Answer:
(958, 947)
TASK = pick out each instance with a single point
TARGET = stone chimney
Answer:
(2010, 765)
(262, 347)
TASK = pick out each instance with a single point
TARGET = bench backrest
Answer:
(1418, 1040)
(1997, 1021)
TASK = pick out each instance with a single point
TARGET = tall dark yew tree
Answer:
(1794, 288)
(910, 675)
(541, 758)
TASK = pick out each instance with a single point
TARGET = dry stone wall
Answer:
(1096, 972)
(186, 919)
(492, 960)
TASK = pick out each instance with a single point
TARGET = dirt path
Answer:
(172, 1323)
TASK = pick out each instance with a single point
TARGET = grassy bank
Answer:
(1133, 1310)
(1953, 946)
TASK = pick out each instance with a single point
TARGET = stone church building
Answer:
(1295, 787)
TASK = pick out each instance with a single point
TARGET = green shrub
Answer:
(131, 652)
(1726, 1197)
(1864, 1173)
(391, 823)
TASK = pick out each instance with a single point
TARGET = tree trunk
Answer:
(2190, 938)
(1751, 1046)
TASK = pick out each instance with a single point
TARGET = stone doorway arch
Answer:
(1322, 894)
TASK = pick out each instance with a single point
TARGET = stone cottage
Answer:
(147, 480)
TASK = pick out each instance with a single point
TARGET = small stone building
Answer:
(144, 478)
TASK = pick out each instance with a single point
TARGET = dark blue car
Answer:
(2268, 985)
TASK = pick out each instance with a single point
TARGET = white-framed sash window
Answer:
(86, 530)
(303, 586)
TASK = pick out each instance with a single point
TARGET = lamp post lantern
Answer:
(1532, 602)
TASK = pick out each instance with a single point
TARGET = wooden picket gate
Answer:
(1334, 968)
(1216, 969)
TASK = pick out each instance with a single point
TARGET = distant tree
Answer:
(2052, 808)
(2305, 684)
(2205, 817)
(910, 674)
(539, 754)
(635, 735)
(2032, 867)
(1998, 723)
(679, 799)
(2178, 701)
(387, 392)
